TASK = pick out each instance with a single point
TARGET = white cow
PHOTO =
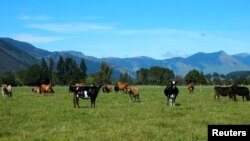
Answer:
(6, 90)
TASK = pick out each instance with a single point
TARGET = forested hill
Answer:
(12, 58)
(17, 54)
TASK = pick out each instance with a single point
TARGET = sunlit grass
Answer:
(28, 116)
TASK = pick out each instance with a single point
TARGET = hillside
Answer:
(28, 48)
(16, 54)
(13, 58)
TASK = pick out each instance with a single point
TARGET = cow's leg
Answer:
(3, 92)
(216, 97)
(74, 100)
(77, 102)
(131, 97)
(92, 102)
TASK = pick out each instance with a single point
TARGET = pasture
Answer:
(32, 117)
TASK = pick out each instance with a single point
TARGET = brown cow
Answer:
(36, 89)
(121, 86)
(191, 87)
(134, 93)
(44, 89)
(106, 88)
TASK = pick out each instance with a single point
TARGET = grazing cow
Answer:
(6, 90)
(191, 87)
(86, 92)
(225, 91)
(242, 91)
(36, 89)
(171, 91)
(106, 88)
(121, 86)
(134, 93)
(44, 89)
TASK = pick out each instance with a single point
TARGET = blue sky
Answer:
(127, 28)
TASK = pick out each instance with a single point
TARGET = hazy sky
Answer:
(127, 28)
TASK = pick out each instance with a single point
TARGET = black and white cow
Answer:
(86, 92)
(171, 91)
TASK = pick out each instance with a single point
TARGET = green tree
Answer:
(51, 66)
(196, 77)
(142, 76)
(45, 75)
(8, 78)
(160, 76)
(83, 69)
(30, 76)
(125, 77)
(72, 72)
(154, 75)
(104, 75)
(60, 71)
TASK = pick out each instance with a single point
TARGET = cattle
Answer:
(36, 89)
(225, 91)
(242, 91)
(46, 88)
(106, 88)
(134, 93)
(121, 86)
(191, 87)
(86, 92)
(171, 91)
(6, 90)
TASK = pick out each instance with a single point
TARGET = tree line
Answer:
(66, 71)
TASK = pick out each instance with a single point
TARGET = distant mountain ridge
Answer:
(13, 58)
(219, 62)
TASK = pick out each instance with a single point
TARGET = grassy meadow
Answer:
(33, 117)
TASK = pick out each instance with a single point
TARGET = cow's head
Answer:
(172, 83)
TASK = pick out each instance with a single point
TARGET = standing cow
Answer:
(191, 87)
(36, 89)
(134, 93)
(46, 88)
(86, 92)
(242, 91)
(106, 88)
(6, 90)
(225, 91)
(171, 91)
(121, 86)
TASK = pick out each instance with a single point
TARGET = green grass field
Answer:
(33, 117)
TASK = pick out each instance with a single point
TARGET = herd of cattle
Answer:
(171, 91)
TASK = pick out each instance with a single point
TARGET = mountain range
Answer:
(17, 54)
